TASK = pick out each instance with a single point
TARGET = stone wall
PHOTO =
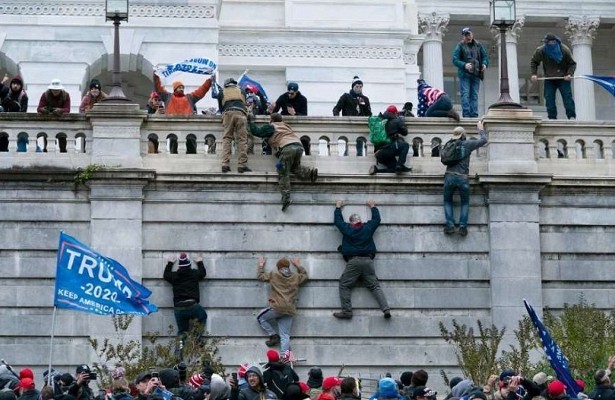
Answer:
(541, 228)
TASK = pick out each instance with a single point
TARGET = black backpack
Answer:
(279, 381)
(452, 152)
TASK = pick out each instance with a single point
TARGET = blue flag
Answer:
(245, 81)
(90, 282)
(607, 82)
(556, 358)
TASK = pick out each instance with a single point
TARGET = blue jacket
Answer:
(357, 241)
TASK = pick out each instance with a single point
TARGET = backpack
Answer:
(279, 381)
(377, 132)
(452, 152)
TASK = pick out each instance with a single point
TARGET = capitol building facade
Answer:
(321, 45)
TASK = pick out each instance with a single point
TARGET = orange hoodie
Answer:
(181, 104)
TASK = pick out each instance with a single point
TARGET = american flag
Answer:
(427, 96)
(288, 357)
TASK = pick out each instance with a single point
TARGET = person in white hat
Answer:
(55, 100)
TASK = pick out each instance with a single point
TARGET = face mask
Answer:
(285, 271)
(94, 92)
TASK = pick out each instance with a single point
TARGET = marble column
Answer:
(581, 30)
(433, 26)
(512, 35)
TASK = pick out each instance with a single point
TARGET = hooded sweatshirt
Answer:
(258, 393)
(284, 289)
(14, 101)
(220, 390)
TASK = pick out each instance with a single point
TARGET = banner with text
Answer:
(90, 282)
(199, 66)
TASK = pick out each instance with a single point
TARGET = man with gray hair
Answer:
(358, 249)
(456, 179)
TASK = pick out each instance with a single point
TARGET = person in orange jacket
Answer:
(178, 103)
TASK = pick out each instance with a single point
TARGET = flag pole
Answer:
(242, 75)
(555, 78)
(53, 326)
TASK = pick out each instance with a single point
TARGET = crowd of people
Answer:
(277, 380)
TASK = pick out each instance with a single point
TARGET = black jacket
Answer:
(299, 103)
(349, 105)
(185, 282)
(602, 392)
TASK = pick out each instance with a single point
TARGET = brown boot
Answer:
(273, 340)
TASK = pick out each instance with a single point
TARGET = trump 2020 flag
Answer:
(556, 358)
(607, 82)
(245, 81)
(90, 282)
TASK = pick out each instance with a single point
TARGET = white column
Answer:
(433, 26)
(581, 31)
(512, 35)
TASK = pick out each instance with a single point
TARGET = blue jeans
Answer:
(183, 316)
(452, 183)
(469, 85)
(284, 322)
(565, 90)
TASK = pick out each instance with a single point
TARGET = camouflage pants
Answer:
(290, 162)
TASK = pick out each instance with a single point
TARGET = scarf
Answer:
(554, 51)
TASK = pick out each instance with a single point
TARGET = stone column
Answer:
(581, 31)
(433, 26)
(412, 44)
(512, 35)
(514, 246)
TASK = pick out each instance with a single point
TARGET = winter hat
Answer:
(457, 133)
(406, 378)
(392, 109)
(208, 371)
(315, 377)
(580, 384)
(601, 376)
(283, 263)
(196, 380)
(177, 84)
(466, 30)
(329, 382)
(26, 383)
(462, 388)
(241, 372)
(294, 86)
(272, 355)
(7, 395)
(507, 372)
(56, 84)
(387, 388)
(184, 261)
(540, 378)
(550, 36)
(169, 378)
(556, 388)
(230, 82)
(293, 392)
(94, 84)
(17, 79)
(26, 373)
(356, 81)
(118, 373)
(67, 379)
(304, 387)
(454, 382)
(220, 390)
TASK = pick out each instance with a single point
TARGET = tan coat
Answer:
(284, 289)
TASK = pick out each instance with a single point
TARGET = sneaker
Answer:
(463, 231)
(241, 170)
(454, 115)
(273, 340)
(372, 170)
(387, 314)
(342, 315)
(226, 168)
(402, 168)
(286, 204)
(313, 175)
(449, 230)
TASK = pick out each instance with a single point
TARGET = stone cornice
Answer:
(78, 9)
(302, 51)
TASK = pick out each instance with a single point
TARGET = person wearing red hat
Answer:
(186, 294)
(393, 155)
(178, 103)
(330, 387)
(278, 375)
(557, 390)
(26, 389)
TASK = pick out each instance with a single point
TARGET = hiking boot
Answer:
(387, 314)
(226, 168)
(273, 340)
(402, 168)
(286, 204)
(313, 175)
(449, 229)
(463, 231)
(343, 314)
(454, 115)
(372, 170)
(243, 169)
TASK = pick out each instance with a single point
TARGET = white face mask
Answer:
(94, 92)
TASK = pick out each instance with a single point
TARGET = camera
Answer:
(92, 376)
(155, 374)
(506, 381)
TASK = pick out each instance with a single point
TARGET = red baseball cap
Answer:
(330, 382)
(556, 388)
